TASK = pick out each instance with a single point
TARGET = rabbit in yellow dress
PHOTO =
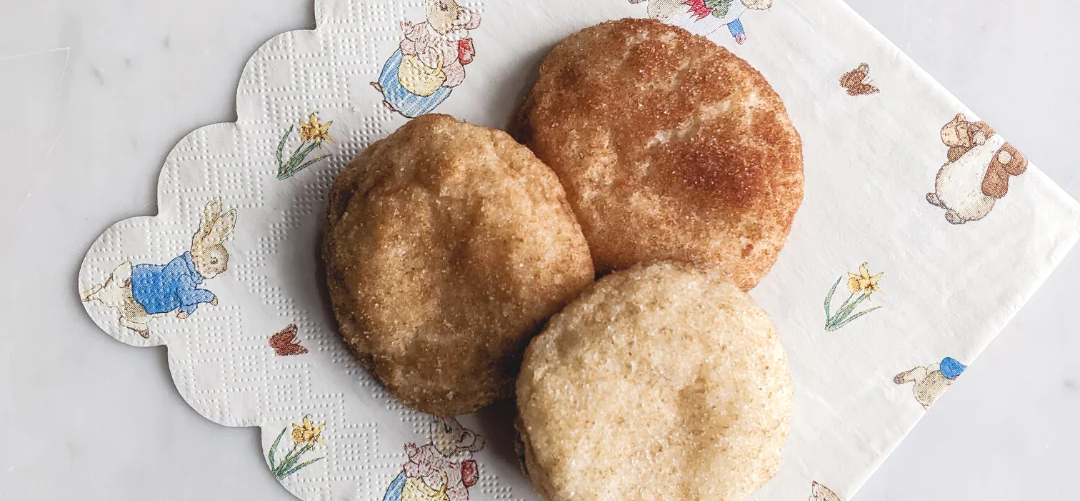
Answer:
(442, 470)
(431, 59)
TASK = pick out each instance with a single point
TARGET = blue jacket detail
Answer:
(951, 368)
(174, 286)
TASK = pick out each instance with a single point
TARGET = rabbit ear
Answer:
(209, 215)
(463, 16)
(221, 228)
(477, 443)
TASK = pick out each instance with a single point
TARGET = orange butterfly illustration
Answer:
(285, 343)
(857, 81)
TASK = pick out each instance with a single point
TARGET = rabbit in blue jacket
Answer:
(145, 291)
(932, 381)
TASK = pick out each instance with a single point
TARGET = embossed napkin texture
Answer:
(923, 231)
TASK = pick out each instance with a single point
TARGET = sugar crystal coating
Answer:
(447, 245)
(658, 382)
(669, 146)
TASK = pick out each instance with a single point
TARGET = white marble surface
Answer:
(93, 94)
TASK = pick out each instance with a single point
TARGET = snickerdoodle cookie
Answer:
(669, 146)
(447, 245)
(658, 382)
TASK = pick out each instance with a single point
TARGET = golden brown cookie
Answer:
(658, 382)
(670, 148)
(447, 245)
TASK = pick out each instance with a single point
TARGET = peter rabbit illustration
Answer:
(931, 381)
(703, 17)
(431, 59)
(980, 164)
(145, 291)
(442, 470)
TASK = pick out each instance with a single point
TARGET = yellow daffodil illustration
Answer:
(312, 130)
(863, 282)
(305, 437)
(313, 134)
(861, 285)
(307, 433)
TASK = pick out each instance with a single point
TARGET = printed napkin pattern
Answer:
(954, 229)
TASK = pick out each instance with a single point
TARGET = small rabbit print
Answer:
(142, 292)
(285, 343)
(857, 81)
(822, 493)
(431, 59)
(442, 470)
(931, 381)
(977, 173)
(703, 17)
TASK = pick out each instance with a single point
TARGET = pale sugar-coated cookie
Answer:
(659, 382)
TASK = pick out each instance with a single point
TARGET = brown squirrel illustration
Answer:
(961, 135)
(977, 173)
